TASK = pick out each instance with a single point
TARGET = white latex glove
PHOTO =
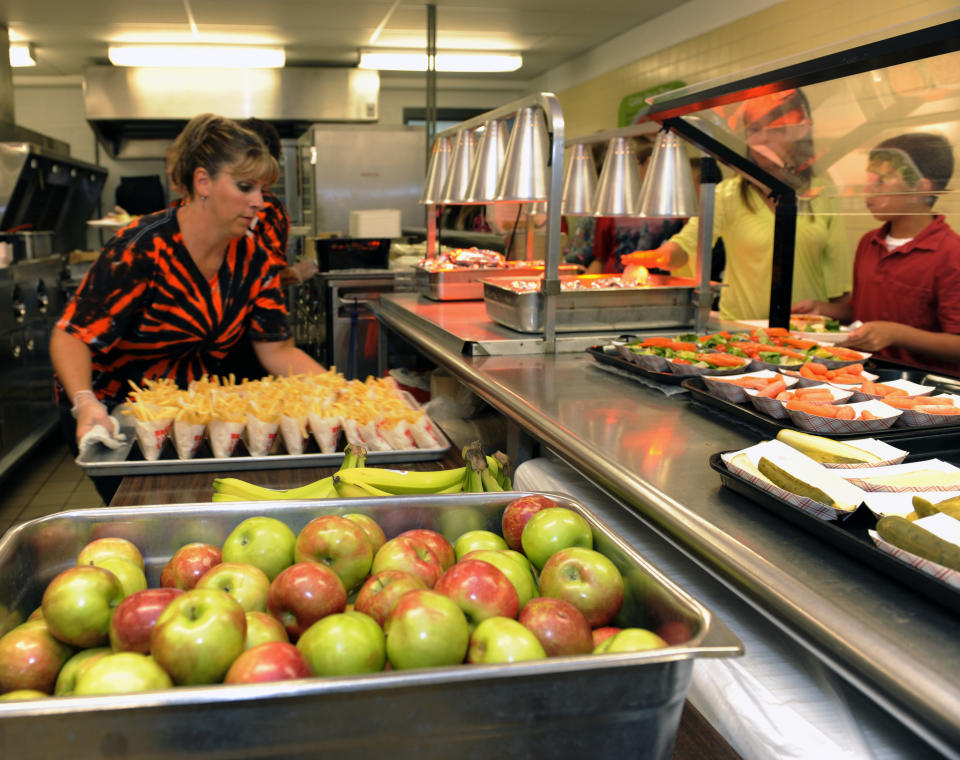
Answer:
(89, 413)
(305, 269)
(112, 438)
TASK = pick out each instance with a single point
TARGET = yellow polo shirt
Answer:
(823, 260)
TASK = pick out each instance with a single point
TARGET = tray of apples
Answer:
(374, 624)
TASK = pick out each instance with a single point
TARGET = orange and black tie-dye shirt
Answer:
(145, 309)
(273, 228)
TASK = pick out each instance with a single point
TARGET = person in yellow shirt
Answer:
(778, 132)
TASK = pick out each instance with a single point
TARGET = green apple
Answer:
(552, 529)
(72, 668)
(30, 658)
(631, 640)
(517, 572)
(198, 636)
(426, 629)
(22, 694)
(371, 527)
(344, 644)
(130, 576)
(122, 673)
(473, 540)
(77, 605)
(264, 542)
(263, 627)
(503, 639)
(110, 546)
(248, 584)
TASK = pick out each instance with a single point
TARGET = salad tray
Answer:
(610, 356)
(848, 533)
(943, 440)
(524, 709)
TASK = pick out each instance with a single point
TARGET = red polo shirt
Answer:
(917, 284)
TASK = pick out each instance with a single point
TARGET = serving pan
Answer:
(466, 284)
(614, 706)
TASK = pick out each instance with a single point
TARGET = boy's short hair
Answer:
(931, 154)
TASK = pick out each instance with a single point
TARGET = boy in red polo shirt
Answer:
(906, 276)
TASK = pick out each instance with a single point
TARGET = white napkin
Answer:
(99, 434)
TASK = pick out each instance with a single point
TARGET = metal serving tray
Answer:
(664, 301)
(127, 459)
(467, 285)
(527, 709)
(609, 356)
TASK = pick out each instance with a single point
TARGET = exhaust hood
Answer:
(137, 112)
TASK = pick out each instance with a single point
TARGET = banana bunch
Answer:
(353, 479)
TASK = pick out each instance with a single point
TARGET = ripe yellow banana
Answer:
(403, 481)
(241, 490)
(348, 490)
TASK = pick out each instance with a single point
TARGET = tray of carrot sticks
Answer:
(841, 402)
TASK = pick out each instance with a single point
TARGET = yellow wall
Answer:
(788, 28)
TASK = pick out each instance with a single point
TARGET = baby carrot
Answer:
(846, 413)
(772, 390)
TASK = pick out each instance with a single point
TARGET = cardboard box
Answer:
(375, 223)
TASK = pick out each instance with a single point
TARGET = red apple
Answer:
(426, 629)
(516, 514)
(559, 626)
(381, 591)
(411, 556)
(303, 593)
(263, 627)
(587, 579)
(371, 527)
(110, 546)
(188, 563)
(603, 633)
(77, 604)
(674, 631)
(135, 616)
(198, 636)
(338, 543)
(480, 589)
(31, 658)
(270, 661)
(437, 543)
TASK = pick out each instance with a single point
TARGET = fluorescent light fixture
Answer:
(189, 56)
(21, 55)
(415, 60)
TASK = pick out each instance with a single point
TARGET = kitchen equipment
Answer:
(663, 301)
(352, 253)
(467, 284)
(534, 708)
(36, 243)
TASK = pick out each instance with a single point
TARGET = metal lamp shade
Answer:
(461, 166)
(524, 175)
(489, 161)
(579, 182)
(437, 170)
(619, 182)
(668, 190)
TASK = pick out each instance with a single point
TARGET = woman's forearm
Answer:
(72, 361)
(284, 358)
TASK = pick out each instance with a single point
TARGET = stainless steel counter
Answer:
(651, 452)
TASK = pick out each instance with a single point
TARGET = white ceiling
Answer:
(70, 34)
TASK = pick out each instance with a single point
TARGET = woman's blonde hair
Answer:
(216, 143)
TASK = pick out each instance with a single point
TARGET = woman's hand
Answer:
(89, 413)
(807, 307)
(659, 257)
(874, 336)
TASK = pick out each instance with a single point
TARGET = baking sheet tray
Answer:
(127, 459)
(848, 533)
(665, 301)
(527, 709)
(466, 284)
(610, 356)
(939, 439)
